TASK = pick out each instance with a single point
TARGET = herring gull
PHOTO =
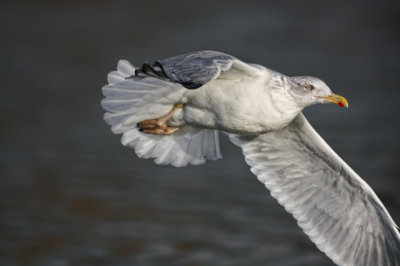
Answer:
(172, 110)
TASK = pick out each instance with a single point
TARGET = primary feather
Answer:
(338, 211)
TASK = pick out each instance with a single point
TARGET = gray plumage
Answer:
(193, 70)
(260, 110)
(336, 208)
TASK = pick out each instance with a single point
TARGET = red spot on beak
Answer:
(340, 104)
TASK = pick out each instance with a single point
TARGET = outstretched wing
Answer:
(336, 208)
(195, 69)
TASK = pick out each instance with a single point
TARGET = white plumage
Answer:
(129, 101)
(260, 110)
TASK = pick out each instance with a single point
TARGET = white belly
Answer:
(234, 106)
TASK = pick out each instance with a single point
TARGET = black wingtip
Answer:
(191, 85)
(154, 70)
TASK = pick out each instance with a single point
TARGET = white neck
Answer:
(282, 100)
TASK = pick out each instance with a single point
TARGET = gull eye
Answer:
(309, 87)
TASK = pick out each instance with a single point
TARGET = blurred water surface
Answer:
(72, 195)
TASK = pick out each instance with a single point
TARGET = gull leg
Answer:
(158, 126)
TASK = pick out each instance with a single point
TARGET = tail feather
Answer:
(131, 98)
(114, 77)
(182, 148)
(125, 69)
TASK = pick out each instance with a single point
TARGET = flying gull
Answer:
(172, 110)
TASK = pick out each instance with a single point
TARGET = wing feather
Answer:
(338, 211)
(195, 69)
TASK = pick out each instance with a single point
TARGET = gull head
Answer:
(307, 91)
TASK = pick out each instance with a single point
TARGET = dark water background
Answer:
(70, 194)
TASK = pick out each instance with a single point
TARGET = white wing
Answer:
(130, 99)
(336, 208)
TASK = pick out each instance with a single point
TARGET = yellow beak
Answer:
(336, 99)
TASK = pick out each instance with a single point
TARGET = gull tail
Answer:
(133, 95)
